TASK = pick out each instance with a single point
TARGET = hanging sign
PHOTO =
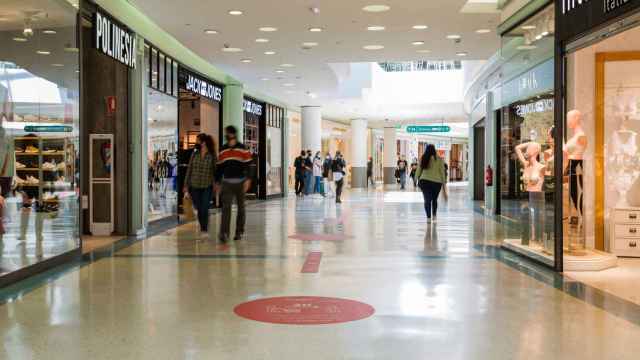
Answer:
(428, 129)
(114, 41)
(47, 128)
(252, 107)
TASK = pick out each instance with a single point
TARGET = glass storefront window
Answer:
(154, 68)
(161, 72)
(274, 169)
(39, 142)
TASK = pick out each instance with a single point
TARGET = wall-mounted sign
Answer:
(413, 129)
(47, 128)
(540, 106)
(198, 85)
(114, 41)
(252, 107)
(536, 81)
(576, 17)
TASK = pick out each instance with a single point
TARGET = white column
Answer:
(390, 155)
(358, 153)
(312, 128)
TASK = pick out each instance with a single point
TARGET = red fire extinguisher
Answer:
(488, 176)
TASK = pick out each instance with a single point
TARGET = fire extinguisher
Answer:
(488, 176)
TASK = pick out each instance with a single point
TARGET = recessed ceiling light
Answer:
(376, 8)
(235, 12)
(424, 51)
(280, 71)
(43, 52)
(231, 49)
(483, 31)
(269, 52)
(57, 65)
(420, 27)
(265, 79)
(315, 29)
(49, 32)
(373, 47)
(417, 43)
(375, 28)
(211, 31)
(454, 37)
(246, 61)
(526, 47)
(20, 39)
(309, 44)
(262, 40)
(287, 65)
(288, 84)
(528, 27)
(268, 29)
(462, 53)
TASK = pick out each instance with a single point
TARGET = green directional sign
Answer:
(47, 128)
(428, 129)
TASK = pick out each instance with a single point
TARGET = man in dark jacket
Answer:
(298, 164)
(233, 180)
(370, 173)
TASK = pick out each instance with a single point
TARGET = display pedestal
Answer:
(589, 260)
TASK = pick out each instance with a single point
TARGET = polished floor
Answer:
(443, 291)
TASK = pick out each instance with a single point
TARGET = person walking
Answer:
(432, 179)
(233, 181)
(317, 173)
(338, 168)
(414, 170)
(298, 164)
(402, 172)
(199, 179)
(370, 179)
(308, 173)
(326, 174)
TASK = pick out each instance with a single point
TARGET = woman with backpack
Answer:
(431, 179)
(326, 175)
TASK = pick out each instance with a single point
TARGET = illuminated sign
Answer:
(539, 106)
(252, 107)
(114, 41)
(204, 88)
(428, 129)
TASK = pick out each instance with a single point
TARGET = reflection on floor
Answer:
(621, 281)
(163, 202)
(32, 236)
(438, 292)
(92, 243)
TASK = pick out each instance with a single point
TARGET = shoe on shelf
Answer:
(62, 166)
(18, 180)
(49, 151)
(19, 149)
(20, 165)
(32, 181)
(48, 166)
(32, 149)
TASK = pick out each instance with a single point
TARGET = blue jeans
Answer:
(202, 202)
(318, 187)
(308, 182)
(403, 179)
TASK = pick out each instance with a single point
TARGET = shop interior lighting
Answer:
(420, 27)
(375, 28)
(315, 29)
(246, 61)
(271, 52)
(462, 53)
(376, 8)
(373, 47)
(43, 52)
(211, 31)
(235, 12)
(262, 40)
(454, 37)
(20, 39)
(483, 31)
(417, 43)
(309, 44)
(49, 32)
(268, 29)
(287, 65)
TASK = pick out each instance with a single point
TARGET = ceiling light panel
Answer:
(236, 12)
(262, 40)
(375, 28)
(268, 29)
(376, 8)
(420, 27)
(315, 29)
(373, 47)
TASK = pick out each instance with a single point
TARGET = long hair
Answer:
(429, 153)
(208, 142)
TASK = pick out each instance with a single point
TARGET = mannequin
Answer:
(533, 177)
(574, 151)
(623, 160)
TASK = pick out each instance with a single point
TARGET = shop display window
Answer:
(39, 123)
(274, 169)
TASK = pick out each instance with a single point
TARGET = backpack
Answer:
(326, 167)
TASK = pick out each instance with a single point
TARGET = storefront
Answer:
(39, 137)
(597, 118)
(161, 81)
(254, 139)
(199, 111)
(274, 151)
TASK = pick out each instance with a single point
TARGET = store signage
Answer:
(577, 17)
(204, 88)
(536, 81)
(47, 128)
(611, 5)
(114, 41)
(428, 129)
(539, 106)
(568, 5)
(252, 107)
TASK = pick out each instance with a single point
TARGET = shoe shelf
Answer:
(44, 166)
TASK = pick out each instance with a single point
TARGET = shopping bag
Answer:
(187, 206)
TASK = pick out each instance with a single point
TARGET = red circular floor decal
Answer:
(304, 310)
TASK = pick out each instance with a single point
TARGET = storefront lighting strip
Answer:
(604, 33)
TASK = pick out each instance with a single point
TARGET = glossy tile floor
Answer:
(440, 292)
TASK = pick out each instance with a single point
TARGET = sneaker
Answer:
(20, 165)
(18, 180)
(48, 166)
(62, 166)
(32, 181)
(19, 149)
(239, 236)
(32, 149)
(49, 151)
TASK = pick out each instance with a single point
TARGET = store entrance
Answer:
(478, 161)
(196, 114)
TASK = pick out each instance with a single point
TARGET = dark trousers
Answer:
(430, 192)
(299, 184)
(201, 202)
(339, 185)
(228, 193)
